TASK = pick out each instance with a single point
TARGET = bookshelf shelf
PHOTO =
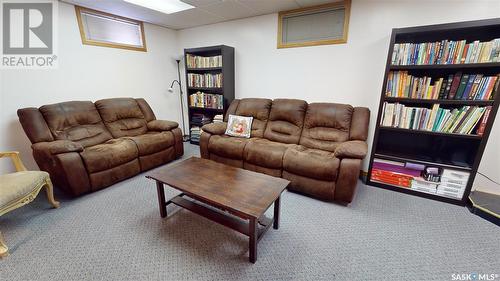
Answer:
(206, 108)
(412, 159)
(226, 91)
(440, 101)
(213, 90)
(446, 66)
(430, 133)
(419, 193)
(445, 151)
(205, 69)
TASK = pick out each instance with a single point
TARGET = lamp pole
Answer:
(184, 136)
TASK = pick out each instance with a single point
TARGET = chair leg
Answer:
(49, 189)
(4, 250)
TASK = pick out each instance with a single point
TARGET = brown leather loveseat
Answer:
(317, 146)
(87, 146)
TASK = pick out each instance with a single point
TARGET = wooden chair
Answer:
(20, 188)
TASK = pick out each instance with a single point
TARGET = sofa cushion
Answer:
(286, 120)
(313, 163)
(215, 128)
(122, 116)
(153, 142)
(77, 121)
(265, 153)
(326, 125)
(108, 155)
(259, 110)
(162, 125)
(227, 146)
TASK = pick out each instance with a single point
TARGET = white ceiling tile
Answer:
(202, 3)
(190, 18)
(206, 11)
(230, 10)
(270, 6)
(308, 3)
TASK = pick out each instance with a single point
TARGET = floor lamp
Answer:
(171, 90)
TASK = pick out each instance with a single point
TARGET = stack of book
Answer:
(393, 172)
(408, 175)
(218, 118)
(422, 185)
(206, 80)
(453, 183)
(446, 52)
(458, 121)
(203, 62)
(460, 86)
(200, 99)
(200, 119)
(196, 133)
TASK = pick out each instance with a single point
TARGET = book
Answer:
(484, 121)
(463, 83)
(468, 87)
(454, 85)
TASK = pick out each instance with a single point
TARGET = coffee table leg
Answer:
(161, 199)
(252, 246)
(276, 223)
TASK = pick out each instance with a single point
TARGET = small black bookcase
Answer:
(443, 150)
(224, 91)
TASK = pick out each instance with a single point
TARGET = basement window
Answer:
(107, 30)
(317, 25)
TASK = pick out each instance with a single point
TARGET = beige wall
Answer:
(89, 73)
(346, 73)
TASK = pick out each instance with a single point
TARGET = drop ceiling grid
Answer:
(205, 11)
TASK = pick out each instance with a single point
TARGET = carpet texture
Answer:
(117, 234)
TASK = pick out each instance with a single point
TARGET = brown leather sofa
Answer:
(317, 146)
(87, 146)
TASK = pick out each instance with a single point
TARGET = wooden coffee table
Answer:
(238, 197)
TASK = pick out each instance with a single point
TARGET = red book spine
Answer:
(482, 126)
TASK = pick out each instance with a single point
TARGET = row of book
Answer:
(204, 100)
(195, 133)
(449, 183)
(206, 80)
(458, 86)
(457, 120)
(446, 52)
(203, 62)
(199, 119)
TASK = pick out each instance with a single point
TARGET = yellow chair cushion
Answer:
(17, 185)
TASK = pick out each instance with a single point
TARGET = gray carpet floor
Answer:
(117, 234)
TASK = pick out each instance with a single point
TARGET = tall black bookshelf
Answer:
(458, 152)
(226, 91)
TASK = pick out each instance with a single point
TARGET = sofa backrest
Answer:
(359, 124)
(326, 125)
(123, 116)
(76, 121)
(259, 110)
(286, 120)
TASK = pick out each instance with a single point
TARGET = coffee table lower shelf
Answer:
(254, 228)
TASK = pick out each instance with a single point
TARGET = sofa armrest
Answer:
(352, 149)
(215, 128)
(58, 147)
(162, 125)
